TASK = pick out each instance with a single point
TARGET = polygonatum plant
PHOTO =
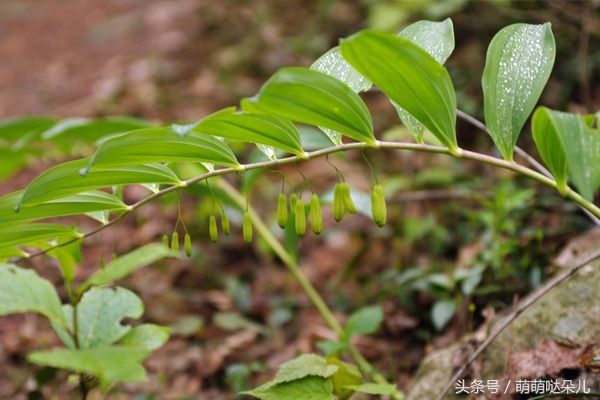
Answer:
(116, 152)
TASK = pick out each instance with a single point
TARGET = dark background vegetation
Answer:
(458, 232)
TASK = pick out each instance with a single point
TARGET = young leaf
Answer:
(254, 128)
(70, 205)
(442, 312)
(161, 145)
(546, 128)
(147, 336)
(100, 312)
(410, 77)
(64, 180)
(309, 388)
(126, 264)
(437, 39)
(518, 63)
(23, 290)
(110, 364)
(364, 321)
(303, 366)
(333, 64)
(314, 98)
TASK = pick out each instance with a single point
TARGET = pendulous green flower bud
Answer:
(300, 218)
(348, 202)
(338, 203)
(378, 207)
(212, 228)
(165, 240)
(187, 244)
(175, 241)
(282, 210)
(247, 227)
(316, 217)
(225, 223)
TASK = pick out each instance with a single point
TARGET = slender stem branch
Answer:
(426, 148)
(518, 310)
(306, 285)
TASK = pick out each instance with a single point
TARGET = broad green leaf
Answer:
(518, 63)
(364, 321)
(147, 336)
(110, 364)
(546, 127)
(100, 312)
(442, 312)
(92, 130)
(31, 234)
(70, 205)
(65, 180)
(161, 145)
(309, 388)
(23, 290)
(410, 77)
(437, 39)
(314, 98)
(252, 127)
(66, 262)
(126, 264)
(380, 389)
(333, 64)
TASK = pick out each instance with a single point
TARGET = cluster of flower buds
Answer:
(342, 201)
(298, 209)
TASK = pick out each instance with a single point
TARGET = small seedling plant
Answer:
(407, 67)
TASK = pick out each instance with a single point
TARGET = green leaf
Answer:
(333, 64)
(314, 98)
(442, 312)
(25, 128)
(126, 264)
(252, 127)
(380, 389)
(31, 234)
(100, 312)
(110, 364)
(569, 144)
(346, 375)
(162, 145)
(70, 205)
(309, 388)
(303, 366)
(437, 39)
(410, 77)
(92, 130)
(23, 290)
(364, 321)
(518, 63)
(546, 127)
(147, 336)
(65, 180)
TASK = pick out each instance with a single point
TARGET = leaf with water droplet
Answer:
(436, 38)
(518, 63)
